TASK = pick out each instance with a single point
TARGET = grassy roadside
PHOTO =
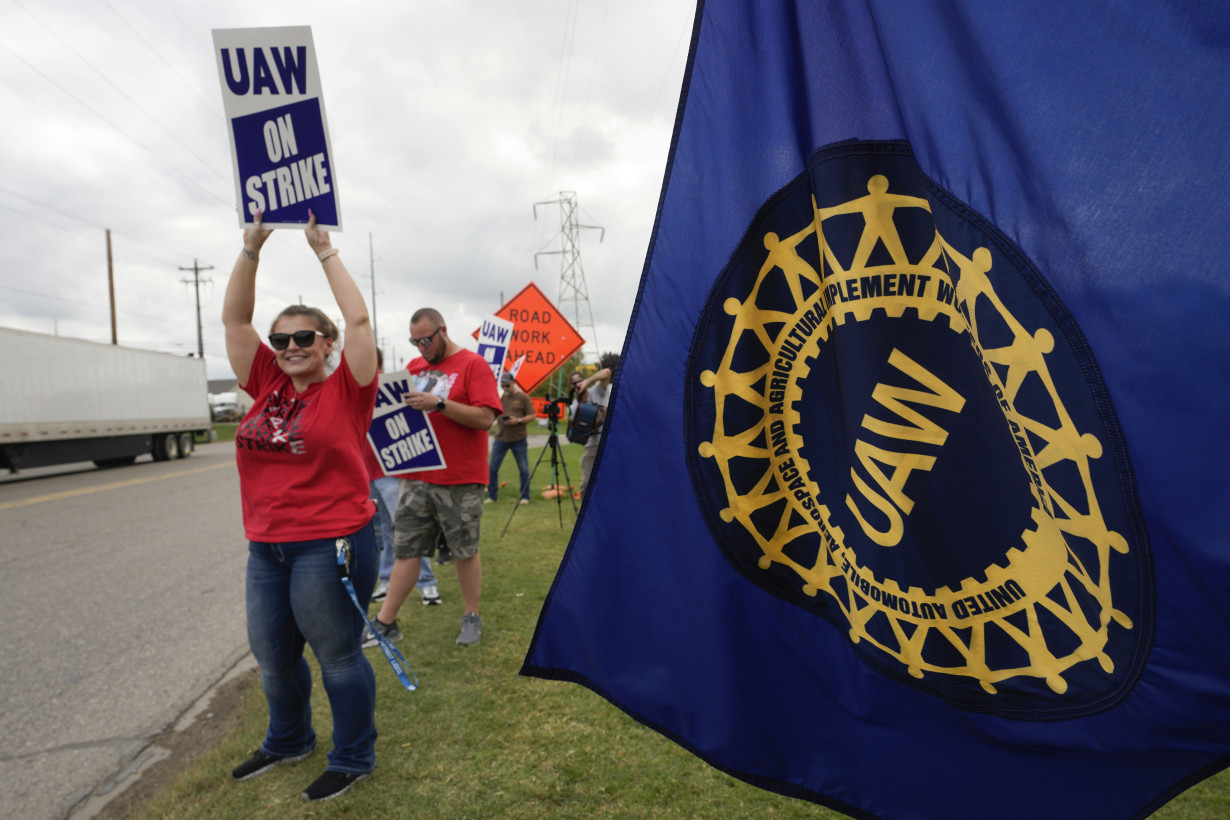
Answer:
(225, 431)
(478, 741)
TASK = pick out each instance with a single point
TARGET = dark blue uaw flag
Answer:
(912, 499)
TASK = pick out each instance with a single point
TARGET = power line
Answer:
(51, 208)
(679, 42)
(589, 86)
(121, 91)
(178, 76)
(119, 130)
(80, 302)
(640, 140)
(48, 296)
(44, 221)
(561, 85)
(177, 254)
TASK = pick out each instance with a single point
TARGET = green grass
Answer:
(479, 741)
(224, 431)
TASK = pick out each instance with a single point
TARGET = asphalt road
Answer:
(121, 604)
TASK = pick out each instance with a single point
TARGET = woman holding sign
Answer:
(305, 505)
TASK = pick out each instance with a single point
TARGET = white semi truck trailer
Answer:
(66, 400)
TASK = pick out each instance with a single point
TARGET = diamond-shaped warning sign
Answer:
(540, 333)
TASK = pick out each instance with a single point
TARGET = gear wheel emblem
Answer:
(893, 424)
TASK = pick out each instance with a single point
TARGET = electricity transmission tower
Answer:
(573, 299)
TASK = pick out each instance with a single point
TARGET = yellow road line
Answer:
(115, 485)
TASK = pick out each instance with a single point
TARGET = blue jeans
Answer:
(498, 449)
(294, 595)
(384, 493)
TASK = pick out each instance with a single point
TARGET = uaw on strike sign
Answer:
(493, 340)
(401, 437)
(271, 93)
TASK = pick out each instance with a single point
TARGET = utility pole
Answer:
(371, 254)
(110, 289)
(572, 289)
(195, 281)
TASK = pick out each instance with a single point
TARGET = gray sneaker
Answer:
(389, 631)
(471, 629)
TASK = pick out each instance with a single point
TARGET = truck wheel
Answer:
(187, 443)
(166, 447)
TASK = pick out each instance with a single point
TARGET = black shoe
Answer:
(259, 763)
(330, 785)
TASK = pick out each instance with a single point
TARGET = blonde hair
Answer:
(323, 323)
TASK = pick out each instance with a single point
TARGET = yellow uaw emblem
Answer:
(1044, 606)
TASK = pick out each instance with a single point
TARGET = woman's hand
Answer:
(317, 239)
(255, 236)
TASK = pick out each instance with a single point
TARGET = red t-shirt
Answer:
(370, 463)
(466, 378)
(300, 457)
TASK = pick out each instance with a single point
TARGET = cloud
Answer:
(448, 122)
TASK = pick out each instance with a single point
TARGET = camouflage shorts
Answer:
(425, 512)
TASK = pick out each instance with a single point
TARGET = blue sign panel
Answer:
(284, 163)
(404, 442)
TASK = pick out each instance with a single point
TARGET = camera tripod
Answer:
(557, 464)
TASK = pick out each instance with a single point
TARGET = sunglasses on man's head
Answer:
(303, 338)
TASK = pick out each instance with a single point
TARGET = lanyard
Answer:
(391, 652)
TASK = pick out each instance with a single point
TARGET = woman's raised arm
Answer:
(360, 346)
(242, 340)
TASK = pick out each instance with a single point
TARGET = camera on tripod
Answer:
(555, 407)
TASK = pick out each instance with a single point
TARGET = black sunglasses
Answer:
(426, 340)
(303, 338)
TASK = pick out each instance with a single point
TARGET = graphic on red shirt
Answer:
(464, 377)
(300, 455)
(435, 382)
(276, 427)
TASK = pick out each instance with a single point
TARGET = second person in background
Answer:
(444, 505)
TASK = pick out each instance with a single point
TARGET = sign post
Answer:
(275, 111)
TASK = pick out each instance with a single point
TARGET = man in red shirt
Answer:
(458, 388)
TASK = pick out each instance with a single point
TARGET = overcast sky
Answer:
(448, 121)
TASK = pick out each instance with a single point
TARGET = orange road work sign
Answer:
(540, 333)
